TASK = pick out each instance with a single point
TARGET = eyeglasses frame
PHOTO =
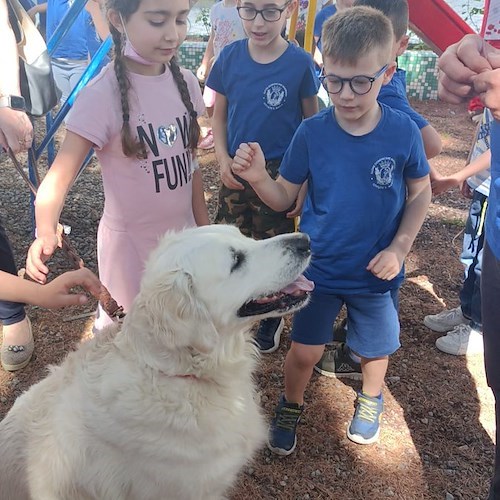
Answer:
(261, 12)
(371, 79)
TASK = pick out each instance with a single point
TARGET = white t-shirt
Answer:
(227, 26)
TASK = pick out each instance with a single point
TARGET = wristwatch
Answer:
(13, 101)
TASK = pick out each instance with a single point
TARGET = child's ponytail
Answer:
(194, 127)
(130, 146)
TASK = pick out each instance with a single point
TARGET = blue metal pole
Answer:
(87, 75)
(65, 25)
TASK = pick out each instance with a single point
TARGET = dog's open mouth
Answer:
(290, 297)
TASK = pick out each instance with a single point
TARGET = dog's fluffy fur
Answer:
(165, 408)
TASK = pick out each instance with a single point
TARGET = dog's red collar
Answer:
(194, 377)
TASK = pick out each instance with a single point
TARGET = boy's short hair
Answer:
(354, 32)
(395, 10)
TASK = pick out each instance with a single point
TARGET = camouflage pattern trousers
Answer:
(245, 210)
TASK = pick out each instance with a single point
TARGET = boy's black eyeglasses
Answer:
(360, 84)
(271, 14)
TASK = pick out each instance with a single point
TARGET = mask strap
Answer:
(125, 34)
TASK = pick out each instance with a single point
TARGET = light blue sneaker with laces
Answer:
(283, 430)
(365, 425)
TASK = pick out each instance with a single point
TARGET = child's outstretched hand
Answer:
(227, 177)
(57, 293)
(386, 264)
(39, 252)
(249, 162)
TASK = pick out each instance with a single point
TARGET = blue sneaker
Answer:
(283, 430)
(269, 334)
(365, 425)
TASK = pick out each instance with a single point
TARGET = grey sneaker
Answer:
(446, 320)
(337, 363)
(462, 340)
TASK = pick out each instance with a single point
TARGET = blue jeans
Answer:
(10, 312)
(472, 256)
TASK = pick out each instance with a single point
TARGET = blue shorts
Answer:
(372, 322)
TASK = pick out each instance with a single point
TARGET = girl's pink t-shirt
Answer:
(143, 198)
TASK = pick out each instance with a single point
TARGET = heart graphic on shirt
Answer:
(167, 135)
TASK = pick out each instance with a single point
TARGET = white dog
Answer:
(165, 409)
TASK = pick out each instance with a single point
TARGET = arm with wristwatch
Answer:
(16, 130)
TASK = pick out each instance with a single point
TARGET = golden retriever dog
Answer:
(163, 408)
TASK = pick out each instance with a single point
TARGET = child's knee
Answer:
(305, 356)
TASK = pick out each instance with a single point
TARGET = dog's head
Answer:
(205, 281)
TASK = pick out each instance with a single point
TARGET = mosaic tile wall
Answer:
(420, 66)
(191, 54)
(421, 73)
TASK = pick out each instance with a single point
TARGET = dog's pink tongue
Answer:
(300, 284)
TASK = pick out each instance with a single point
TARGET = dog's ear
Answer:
(177, 316)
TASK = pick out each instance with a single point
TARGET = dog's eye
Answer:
(238, 259)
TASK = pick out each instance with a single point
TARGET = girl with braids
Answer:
(140, 116)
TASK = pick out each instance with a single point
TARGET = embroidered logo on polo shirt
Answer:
(382, 173)
(274, 96)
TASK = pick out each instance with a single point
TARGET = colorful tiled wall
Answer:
(191, 54)
(420, 66)
(421, 73)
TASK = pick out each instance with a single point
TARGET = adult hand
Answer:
(459, 64)
(487, 84)
(16, 130)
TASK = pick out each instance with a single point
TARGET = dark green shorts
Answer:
(246, 211)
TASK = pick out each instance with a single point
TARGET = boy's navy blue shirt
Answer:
(264, 100)
(356, 194)
(394, 95)
(320, 19)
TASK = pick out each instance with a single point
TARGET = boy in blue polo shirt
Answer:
(367, 198)
(340, 362)
(264, 87)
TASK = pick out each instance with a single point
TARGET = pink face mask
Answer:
(130, 52)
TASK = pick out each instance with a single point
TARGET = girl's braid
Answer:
(194, 127)
(130, 146)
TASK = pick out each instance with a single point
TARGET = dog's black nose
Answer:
(302, 244)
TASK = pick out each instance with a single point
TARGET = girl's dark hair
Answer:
(130, 145)
(194, 126)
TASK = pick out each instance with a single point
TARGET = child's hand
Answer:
(57, 293)
(201, 72)
(443, 184)
(386, 265)
(227, 177)
(39, 252)
(299, 202)
(249, 162)
(466, 190)
(33, 12)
